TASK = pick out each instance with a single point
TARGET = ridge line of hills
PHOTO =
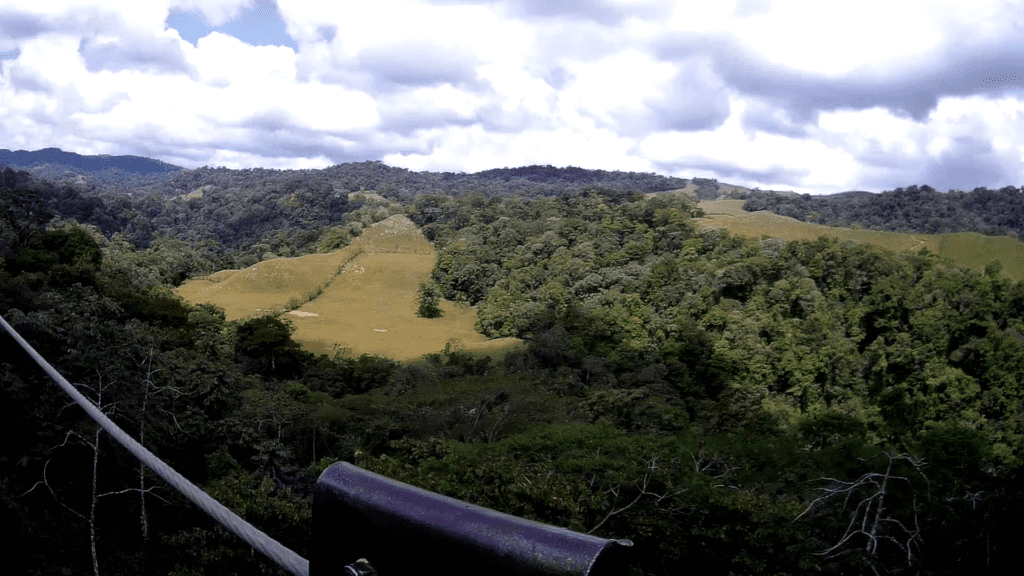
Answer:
(56, 164)
(241, 210)
(88, 163)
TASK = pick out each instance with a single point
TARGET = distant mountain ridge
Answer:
(78, 162)
(129, 171)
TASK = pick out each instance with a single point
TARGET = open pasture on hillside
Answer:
(967, 249)
(271, 285)
(975, 250)
(371, 308)
(361, 299)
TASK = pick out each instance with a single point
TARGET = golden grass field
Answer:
(267, 286)
(361, 299)
(964, 248)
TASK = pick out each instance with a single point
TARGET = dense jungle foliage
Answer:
(912, 209)
(235, 218)
(730, 405)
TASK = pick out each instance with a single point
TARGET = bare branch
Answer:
(703, 464)
(870, 518)
(615, 511)
(173, 418)
(46, 482)
(137, 490)
(652, 465)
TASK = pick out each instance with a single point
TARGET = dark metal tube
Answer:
(403, 530)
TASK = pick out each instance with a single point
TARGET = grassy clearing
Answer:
(270, 286)
(357, 300)
(371, 308)
(975, 250)
(967, 249)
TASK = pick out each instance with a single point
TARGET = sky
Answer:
(810, 96)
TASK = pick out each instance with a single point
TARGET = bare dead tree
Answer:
(712, 465)
(91, 440)
(651, 467)
(150, 388)
(870, 519)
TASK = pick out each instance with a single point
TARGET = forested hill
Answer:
(232, 218)
(912, 209)
(56, 165)
(135, 173)
(402, 184)
(641, 181)
(209, 219)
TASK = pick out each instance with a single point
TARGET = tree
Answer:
(268, 340)
(68, 494)
(429, 298)
(150, 391)
(61, 257)
(880, 515)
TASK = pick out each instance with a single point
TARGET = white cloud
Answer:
(731, 149)
(419, 62)
(236, 159)
(472, 149)
(221, 56)
(872, 131)
(789, 95)
(1000, 120)
(616, 83)
(974, 127)
(833, 39)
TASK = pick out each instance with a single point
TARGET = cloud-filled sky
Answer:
(809, 96)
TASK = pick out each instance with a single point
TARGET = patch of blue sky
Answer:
(259, 25)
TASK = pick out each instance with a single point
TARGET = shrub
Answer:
(429, 297)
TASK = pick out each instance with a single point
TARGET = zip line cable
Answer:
(269, 547)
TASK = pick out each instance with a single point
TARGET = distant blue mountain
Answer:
(85, 164)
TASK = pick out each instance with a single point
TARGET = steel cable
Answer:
(280, 554)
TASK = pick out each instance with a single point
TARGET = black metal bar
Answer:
(403, 530)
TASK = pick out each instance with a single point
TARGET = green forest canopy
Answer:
(714, 399)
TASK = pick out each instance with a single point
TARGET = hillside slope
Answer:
(965, 248)
(269, 285)
(361, 299)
